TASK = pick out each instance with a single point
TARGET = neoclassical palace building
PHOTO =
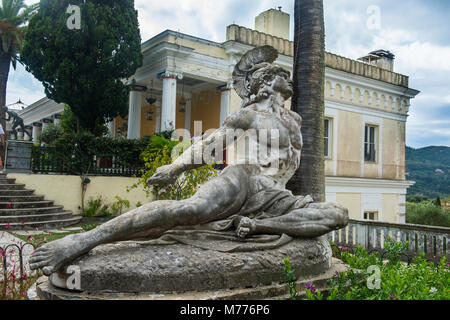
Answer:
(186, 80)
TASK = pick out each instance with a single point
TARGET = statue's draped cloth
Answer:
(221, 235)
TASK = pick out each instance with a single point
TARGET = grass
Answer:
(36, 240)
(16, 285)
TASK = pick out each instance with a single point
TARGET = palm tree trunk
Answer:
(5, 65)
(308, 100)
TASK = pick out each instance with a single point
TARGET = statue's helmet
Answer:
(253, 70)
(249, 63)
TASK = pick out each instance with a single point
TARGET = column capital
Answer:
(225, 87)
(47, 120)
(172, 75)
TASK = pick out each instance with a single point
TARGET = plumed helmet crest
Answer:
(247, 65)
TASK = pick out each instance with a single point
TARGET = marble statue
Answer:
(247, 207)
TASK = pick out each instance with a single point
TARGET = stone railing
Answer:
(286, 47)
(372, 235)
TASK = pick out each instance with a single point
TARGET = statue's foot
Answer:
(245, 228)
(52, 256)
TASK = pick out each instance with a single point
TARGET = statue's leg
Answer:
(311, 222)
(221, 197)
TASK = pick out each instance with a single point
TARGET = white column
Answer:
(134, 115)
(28, 133)
(187, 122)
(20, 135)
(225, 103)
(158, 116)
(112, 128)
(169, 101)
(37, 128)
(46, 123)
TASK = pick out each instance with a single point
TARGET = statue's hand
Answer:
(163, 176)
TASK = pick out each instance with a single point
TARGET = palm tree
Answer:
(308, 100)
(14, 14)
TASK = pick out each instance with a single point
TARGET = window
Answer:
(371, 215)
(327, 138)
(370, 144)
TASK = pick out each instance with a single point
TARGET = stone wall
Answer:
(66, 190)
(286, 47)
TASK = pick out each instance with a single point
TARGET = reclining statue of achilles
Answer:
(247, 207)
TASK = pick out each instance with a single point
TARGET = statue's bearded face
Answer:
(272, 77)
(283, 84)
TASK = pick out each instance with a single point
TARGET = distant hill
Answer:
(430, 168)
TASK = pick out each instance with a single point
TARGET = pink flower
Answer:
(24, 294)
(9, 205)
(8, 225)
(23, 223)
(36, 229)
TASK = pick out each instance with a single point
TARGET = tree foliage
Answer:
(85, 68)
(430, 168)
(159, 153)
(14, 15)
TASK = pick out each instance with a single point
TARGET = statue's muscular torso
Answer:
(258, 124)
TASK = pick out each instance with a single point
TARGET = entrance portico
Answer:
(184, 84)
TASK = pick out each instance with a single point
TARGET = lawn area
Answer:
(36, 240)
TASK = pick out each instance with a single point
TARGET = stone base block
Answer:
(139, 270)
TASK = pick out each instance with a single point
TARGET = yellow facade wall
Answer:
(148, 127)
(393, 150)
(206, 108)
(351, 201)
(66, 190)
(329, 168)
(349, 144)
(200, 47)
(390, 208)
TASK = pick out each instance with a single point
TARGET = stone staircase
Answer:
(21, 209)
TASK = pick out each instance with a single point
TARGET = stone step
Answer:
(21, 198)
(31, 211)
(16, 193)
(11, 186)
(25, 204)
(36, 218)
(41, 225)
(7, 181)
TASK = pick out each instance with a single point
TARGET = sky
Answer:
(416, 31)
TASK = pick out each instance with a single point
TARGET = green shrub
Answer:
(159, 153)
(427, 213)
(97, 208)
(421, 280)
(119, 205)
(50, 134)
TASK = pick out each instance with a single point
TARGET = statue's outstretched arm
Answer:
(195, 156)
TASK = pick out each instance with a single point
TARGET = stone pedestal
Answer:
(18, 156)
(179, 271)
